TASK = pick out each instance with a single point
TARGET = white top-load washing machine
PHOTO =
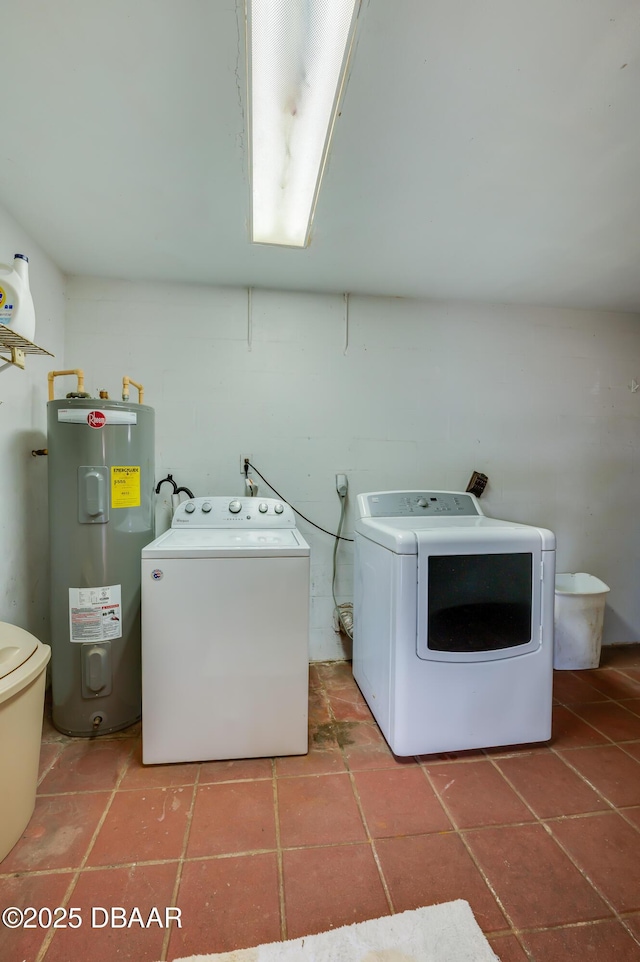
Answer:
(225, 633)
(453, 622)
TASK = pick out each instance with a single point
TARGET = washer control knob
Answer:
(206, 507)
(189, 507)
(263, 507)
(278, 508)
(235, 506)
(422, 502)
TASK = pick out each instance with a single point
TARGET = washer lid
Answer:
(16, 647)
(225, 542)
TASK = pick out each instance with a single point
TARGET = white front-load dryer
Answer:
(225, 633)
(453, 622)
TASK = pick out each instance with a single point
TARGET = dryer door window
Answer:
(479, 602)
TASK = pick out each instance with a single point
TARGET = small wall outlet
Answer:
(243, 458)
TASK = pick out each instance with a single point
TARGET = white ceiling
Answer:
(487, 149)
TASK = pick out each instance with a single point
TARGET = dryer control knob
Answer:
(263, 508)
(278, 508)
(206, 507)
(422, 502)
(235, 506)
(189, 507)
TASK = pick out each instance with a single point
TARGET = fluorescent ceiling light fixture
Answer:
(298, 51)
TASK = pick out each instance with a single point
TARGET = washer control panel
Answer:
(233, 512)
(411, 504)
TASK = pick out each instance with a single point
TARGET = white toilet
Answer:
(23, 662)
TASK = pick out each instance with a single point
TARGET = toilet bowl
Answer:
(23, 660)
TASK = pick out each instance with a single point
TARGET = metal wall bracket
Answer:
(18, 347)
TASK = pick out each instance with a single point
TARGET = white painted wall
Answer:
(24, 562)
(409, 393)
(413, 393)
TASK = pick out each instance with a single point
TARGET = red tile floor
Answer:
(543, 841)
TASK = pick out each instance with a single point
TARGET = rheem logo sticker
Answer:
(96, 419)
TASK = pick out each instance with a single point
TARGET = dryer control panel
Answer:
(408, 504)
(232, 512)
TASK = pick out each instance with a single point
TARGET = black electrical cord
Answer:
(176, 489)
(338, 537)
(168, 478)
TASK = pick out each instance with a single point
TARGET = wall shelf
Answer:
(17, 346)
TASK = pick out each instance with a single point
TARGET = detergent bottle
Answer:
(16, 303)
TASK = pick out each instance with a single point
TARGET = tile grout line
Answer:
(44, 948)
(458, 832)
(356, 794)
(279, 856)
(47, 769)
(494, 762)
(181, 859)
(46, 942)
(75, 874)
(587, 878)
(621, 744)
(546, 825)
(624, 746)
(610, 670)
(371, 841)
(584, 721)
(461, 833)
(611, 701)
(613, 808)
(575, 673)
(433, 760)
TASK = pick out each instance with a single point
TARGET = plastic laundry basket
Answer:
(23, 662)
(579, 614)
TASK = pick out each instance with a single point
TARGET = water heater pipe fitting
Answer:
(79, 374)
(126, 381)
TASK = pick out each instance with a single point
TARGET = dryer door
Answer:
(479, 594)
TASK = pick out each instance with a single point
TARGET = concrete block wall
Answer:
(396, 393)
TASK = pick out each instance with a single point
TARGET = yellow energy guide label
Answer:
(125, 486)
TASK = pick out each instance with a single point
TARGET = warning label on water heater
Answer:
(125, 486)
(95, 614)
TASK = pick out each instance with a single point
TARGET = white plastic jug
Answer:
(16, 304)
